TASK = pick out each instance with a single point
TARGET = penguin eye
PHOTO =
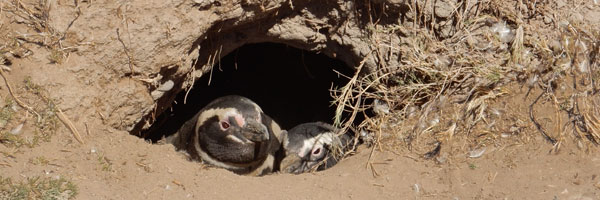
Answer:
(317, 151)
(224, 125)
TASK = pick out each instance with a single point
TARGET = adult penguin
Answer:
(312, 147)
(231, 132)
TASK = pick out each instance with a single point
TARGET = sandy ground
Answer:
(138, 170)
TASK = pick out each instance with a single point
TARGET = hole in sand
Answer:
(291, 85)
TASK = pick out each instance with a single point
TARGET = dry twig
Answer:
(69, 125)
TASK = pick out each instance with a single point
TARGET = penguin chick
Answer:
(312, 147)
(231, 132)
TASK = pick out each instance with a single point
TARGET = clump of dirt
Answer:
(460, 99)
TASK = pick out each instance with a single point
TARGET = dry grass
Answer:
(468, 64)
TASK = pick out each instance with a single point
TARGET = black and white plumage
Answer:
(312, 147)
(231, 132)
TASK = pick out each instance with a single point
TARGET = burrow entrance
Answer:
(291, 85)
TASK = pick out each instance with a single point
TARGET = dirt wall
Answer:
(119, 53)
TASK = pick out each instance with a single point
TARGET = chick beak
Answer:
(293, 164)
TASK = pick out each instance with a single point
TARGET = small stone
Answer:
(17, 129)
(441, 62)
(442, 158)
(168, 85)
(563, 23)
(560, 3)
(577, 17)
(443, 9)
(160, 91)
(547, 20)
(556, 47)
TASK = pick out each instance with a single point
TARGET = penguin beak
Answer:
(256, 132)
(293, 164)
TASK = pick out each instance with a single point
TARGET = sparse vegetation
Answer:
(37, 188)
(46, 121)
(6, 112)
(37, 16)
(105, 163)
(40, 160)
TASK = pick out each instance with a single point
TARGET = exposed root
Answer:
(537, 125)
(129, 57)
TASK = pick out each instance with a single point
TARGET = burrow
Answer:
(291, 85)
(286, 59)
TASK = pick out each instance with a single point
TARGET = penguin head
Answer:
(311, 147)
(230, 129)
(240, 128)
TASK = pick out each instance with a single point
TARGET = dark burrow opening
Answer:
(290, 85)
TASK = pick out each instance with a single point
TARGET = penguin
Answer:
(310, 147)
(231, 132)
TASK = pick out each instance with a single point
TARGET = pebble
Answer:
(17, 129)
(547, 20)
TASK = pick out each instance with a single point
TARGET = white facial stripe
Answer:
(306, 147)
(221, 113)
(236, 139)
(327, 138)
(319, 140)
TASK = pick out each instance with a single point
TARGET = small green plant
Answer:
(37, 188)
(11, 140)
(6, 112)
(32, 87)
(494, 75)
(40, 160)
(472, 166)
(105, 163)
(56, 56)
